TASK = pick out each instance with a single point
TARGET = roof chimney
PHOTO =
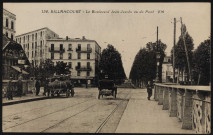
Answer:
(67, 38)
(83, 38)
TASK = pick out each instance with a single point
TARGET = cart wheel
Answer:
(114, 94)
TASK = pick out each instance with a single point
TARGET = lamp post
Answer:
(157, 58)
(158, 63)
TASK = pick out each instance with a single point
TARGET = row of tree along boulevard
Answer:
(145, 66)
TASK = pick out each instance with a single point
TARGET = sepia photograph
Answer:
(106, 67)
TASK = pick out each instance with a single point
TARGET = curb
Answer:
(23, 101)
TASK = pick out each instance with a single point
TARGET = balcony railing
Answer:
(88, 50)
(78, 68)
(70, 49)
(57, 50)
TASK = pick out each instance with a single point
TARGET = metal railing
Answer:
(86, 68)
(57, 50)
(88, 50)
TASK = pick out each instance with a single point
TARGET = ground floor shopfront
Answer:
(85, 81)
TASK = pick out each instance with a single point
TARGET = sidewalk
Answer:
(30, 97)
(144, 116)
(26, 98)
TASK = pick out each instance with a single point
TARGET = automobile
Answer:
(61, 84)
(107, 87)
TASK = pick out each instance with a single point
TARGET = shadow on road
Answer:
(114, 99)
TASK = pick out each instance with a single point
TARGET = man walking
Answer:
(46, 89)
(10, 89)
(37, 87)
(20, 86)
(149, 90)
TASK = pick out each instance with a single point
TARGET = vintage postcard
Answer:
(106, 67)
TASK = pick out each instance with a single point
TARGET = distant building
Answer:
(9, 20)
(167, 70)
(34, 44)
(14, 62)
(82, 56)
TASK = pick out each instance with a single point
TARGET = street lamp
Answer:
(158, 63)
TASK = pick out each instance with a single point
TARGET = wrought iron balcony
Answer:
(70, 49)
(78, 68)
(57, 50)
(88, 50)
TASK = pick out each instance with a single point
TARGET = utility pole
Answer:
(157, 38)
(174, 50)
(187, 57)
(157, 55)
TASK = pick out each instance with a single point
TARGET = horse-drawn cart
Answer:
(61, 85)
(107, 87)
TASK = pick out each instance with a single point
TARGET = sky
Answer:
(126, 26)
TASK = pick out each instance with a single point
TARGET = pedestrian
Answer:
(10, 90)
(46, 89)
(20, 86)
(149, 90)
(86, 83)
(37, 87)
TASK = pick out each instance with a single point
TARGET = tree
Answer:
(201, 63)
(144, 67)
(47, 68)
(161, 47)
(180, 53)
(145, 63)
(61, 68)
(111, 64)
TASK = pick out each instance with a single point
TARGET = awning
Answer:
(19, 70)
(81, 77)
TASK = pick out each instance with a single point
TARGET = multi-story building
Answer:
(82, 56)
(34, 44)
(9, 20)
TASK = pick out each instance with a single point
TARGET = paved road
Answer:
(131, 112)
(82, 113)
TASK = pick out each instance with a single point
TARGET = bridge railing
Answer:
(190, 104)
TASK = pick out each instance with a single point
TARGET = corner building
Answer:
(81, 55)
(34, 44)
(9, 20)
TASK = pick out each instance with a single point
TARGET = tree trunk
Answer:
(178, 75)
(182, 75)
(198, 79)
(188, 76)
(137, 83)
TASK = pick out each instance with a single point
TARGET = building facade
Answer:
(9, 20)
(167, 71)
(34, 44)
(81, 55)
(14, 63)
